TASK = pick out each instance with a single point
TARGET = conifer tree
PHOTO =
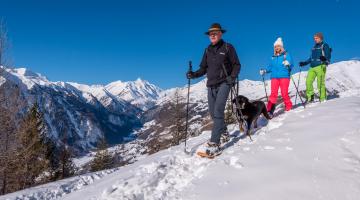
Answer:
(177, 117)
(103, 159)
(31, 155)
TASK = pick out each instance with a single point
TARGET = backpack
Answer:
(323, 53)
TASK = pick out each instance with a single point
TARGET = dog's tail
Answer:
(266, 113)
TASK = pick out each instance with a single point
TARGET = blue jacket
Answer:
(277, 68)
(316, 52)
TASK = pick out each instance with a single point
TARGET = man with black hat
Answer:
(218, 56)
(319, 59)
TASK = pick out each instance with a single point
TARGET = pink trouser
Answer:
(283, 83)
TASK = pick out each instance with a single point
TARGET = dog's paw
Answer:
(242, 129)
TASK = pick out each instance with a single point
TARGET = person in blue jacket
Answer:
(319, 59)
(280, 69)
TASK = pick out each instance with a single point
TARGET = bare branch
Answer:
(4, 44)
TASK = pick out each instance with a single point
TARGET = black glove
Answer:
(323, 58)
(230, 80)
(190, 75)
(302, 64)
(262, 72)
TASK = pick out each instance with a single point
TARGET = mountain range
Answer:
(122, 111)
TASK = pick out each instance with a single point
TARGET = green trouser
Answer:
(317, 72)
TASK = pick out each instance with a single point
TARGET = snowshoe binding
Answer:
(212, 150)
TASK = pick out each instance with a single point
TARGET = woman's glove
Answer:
(262, 72)
(286, 63)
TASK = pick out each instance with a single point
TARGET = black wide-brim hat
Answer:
(215, 27)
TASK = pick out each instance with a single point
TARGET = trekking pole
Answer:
(263, 79)
(297, 91)
(322, 84)
(298, 84)
(187, 107)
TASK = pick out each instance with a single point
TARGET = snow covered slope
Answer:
(303, 154)
(82, 113)
(341, 80)
(340, 77)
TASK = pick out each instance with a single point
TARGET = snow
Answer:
(139, 92)
(311, 153)
(302, 154)
(341, 77)
(95, 90)
(2, 80)
(27, 77)
(56, 190)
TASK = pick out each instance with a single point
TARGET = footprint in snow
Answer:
(289, 148)
(230, 152)
(281, 140)
(234, 162)
(269, 148)
(298, 110)
(274, 125)
(345, 140)
(351, 160)
(224, 183)
(246, 148)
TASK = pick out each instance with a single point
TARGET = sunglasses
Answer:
(215, 33)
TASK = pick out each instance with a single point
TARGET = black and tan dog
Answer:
(250, 111)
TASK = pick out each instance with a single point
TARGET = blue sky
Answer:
(97, 42)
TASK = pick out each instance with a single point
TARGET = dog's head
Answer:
(241, 100)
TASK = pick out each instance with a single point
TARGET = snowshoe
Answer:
(212, 150)
(225, 137)
(311, 100)
(272, 110)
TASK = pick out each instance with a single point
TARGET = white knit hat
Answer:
(279, 42)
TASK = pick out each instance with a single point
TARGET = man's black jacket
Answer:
(214, 57)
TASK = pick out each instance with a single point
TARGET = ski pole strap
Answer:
(224, 68)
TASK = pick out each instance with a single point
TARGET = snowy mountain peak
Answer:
(28, 73)
(139, 80)
(27, 77)
(139, 92)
